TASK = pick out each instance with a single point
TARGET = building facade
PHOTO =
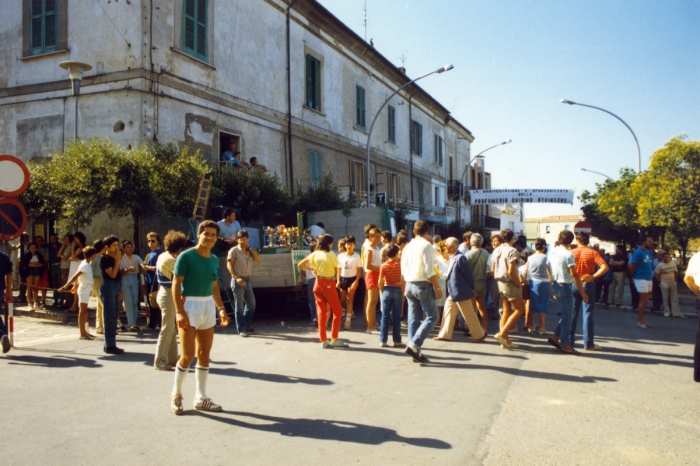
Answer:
(550, 227)
(294, 87)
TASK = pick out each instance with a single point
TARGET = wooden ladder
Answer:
(200, 206)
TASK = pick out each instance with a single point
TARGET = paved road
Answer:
(287, 401)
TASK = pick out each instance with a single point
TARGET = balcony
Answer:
(454, 190)
(487, 222)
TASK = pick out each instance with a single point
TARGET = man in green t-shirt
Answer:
(196, 295)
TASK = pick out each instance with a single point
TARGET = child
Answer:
(348, 275)
(324, 263)
(371, 262)
(391, 285)
(85, 281)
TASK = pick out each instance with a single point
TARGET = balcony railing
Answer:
(487, 222)
(454, 189)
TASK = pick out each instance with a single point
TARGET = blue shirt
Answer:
(643, 259)
(609, 275)
(151, 260)
(228, 231)
(228, 156)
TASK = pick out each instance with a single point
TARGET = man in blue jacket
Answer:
(460, 291)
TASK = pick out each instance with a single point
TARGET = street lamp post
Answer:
(639, 153)
(371, 127)
(597, 173)
(76, 70)
(477, 156)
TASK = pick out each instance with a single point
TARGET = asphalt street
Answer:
(288, 401)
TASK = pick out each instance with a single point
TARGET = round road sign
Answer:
(582, 227)
(13, 219)
(14, 176)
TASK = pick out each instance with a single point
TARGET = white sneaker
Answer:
(205, 404)
(176, 404)
(347, 326)
(666, 314)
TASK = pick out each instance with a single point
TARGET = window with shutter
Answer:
(391, 124)
(43, 26)
(194, 31)
(316, 168)
(360, 107)
(438, 158)
(421, 195)
(419, 140)
(313, 83)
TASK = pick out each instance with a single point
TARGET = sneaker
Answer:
(326, 345)
(383, 345)
(399, 344)
(205, 404)
(347, 326)
(500, 339)
(339, 344)
(375, 332)
(412, 351)
(176, 404)
(243, 334)
(542, 331)
(666, 314)
(594, 348)
(113, 350)
(5, 340)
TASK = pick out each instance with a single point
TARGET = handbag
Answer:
(153, 295)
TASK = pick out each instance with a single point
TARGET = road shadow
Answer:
(521, 372)
(58, 361)
(323, 429)
(277, 378)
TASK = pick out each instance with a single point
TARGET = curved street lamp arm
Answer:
(374, 120)
(639, 153)
(597, 173)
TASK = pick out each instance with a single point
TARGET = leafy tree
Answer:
(98, 175)
(612, 209)
(259, 195)
(669, 192)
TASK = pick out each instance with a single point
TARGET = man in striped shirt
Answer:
(587, 259)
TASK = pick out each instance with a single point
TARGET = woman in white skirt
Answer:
(83, 275)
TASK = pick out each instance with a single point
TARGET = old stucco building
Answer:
(204, 73)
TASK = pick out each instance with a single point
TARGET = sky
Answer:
(514, 60)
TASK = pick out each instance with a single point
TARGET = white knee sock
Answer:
(201, 373)
(180, 373)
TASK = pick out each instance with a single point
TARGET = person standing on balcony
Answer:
(229, 227)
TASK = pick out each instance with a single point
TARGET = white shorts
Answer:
(84, 293)
(200, 311)
(643, 286)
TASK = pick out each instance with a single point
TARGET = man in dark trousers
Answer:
(692, 279)
(5, 296)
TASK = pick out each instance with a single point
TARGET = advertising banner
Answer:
(516, 196)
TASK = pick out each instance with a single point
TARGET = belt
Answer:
(564, 284)
(325, 278)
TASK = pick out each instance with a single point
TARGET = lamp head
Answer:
(564, 101)
(76, 70)
(507, 141)
(445, 68)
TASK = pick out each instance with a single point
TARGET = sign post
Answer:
(14, 180)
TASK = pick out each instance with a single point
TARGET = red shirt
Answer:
(391, 271)
(586, 260)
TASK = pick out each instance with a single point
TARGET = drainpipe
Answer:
(289, 100)
(410, 133)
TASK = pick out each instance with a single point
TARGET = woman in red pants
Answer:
(324, 263)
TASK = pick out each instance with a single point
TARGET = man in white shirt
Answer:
(422, 289)
(465, 245)
(692, 280)
(317, 230)
(229, 227)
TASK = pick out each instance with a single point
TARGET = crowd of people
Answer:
(419, 283)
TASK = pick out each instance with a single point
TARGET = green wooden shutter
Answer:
(419, 140)
(316, 167)
(194, 32)
(413, 137)
(313, 83)
(43, 26)
(391, 123)
(360, 104)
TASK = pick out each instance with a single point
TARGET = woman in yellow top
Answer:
(324, 263)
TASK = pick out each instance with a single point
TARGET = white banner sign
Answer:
(516, 196)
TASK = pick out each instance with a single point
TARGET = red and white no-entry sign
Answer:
(582, 227)
(14, 176)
